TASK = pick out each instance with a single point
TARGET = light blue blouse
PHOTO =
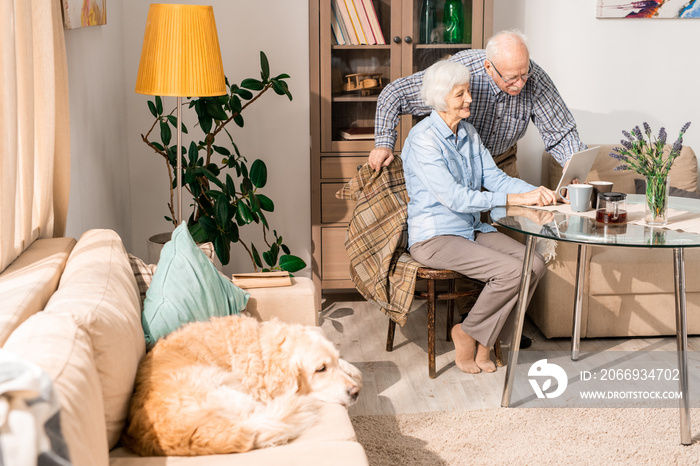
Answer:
(444, 175)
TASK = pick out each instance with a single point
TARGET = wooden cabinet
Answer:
(335, 108)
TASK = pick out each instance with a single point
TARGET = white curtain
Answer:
(34, 125)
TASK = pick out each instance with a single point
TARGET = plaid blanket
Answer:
(377, 238)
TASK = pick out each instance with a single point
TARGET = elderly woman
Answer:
(446, 166)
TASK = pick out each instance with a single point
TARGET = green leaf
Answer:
(244, 213)
(193, 152)
(235, 103)
(282, 76)
(221, 150)
(173, 121)
(285, 249)
(245, 94)
(264, 66)
(198, 233)
(211, 177)
(216, 111)
(165, 133)
(246, 186)
(258, 173)
(230, 185)
(291, 263)
(223, 249)
(238, 119)
(159, 105)
(274, 252)
(232, 232)
(222, 212)
(256, 256)
(152, 108)
(205, 122)
(268, 258)
(208, 225)
(265, 203)
(158, 146)
(252, 84)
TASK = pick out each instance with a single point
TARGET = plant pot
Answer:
(656, 206)
(156, 243)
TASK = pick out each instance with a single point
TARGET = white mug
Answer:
(579, 196)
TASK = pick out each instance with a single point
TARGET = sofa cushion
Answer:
(683, 175)
(331, 441)
(99, 290)
(143, 272)
(59, 346)
(28, 283)
(186, 287)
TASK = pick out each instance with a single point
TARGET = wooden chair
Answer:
(432, 276)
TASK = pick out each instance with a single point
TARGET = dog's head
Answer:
(315, 365)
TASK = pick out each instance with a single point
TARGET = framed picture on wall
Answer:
(648, 9)
(82, 13)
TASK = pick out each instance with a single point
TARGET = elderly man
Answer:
(508, 90)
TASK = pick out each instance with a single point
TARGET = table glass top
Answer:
(583, 229)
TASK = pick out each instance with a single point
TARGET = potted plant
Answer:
(225, 188)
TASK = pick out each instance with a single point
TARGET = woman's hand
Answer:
(541, 196)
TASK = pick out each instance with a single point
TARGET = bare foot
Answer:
(483, 358)
(465, 347)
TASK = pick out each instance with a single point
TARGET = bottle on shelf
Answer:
(453, 20)
(467, 37)
(428, 21)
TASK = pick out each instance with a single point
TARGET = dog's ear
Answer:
(284, 373)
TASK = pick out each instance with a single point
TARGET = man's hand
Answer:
(380, 157)
(541, 196)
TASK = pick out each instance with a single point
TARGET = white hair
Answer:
(498, 41)
(439, 80)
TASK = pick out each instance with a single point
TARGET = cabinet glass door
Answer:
(355, 68)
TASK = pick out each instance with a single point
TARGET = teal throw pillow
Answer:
(186, 287)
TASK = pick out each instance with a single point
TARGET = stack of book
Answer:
(355, 22)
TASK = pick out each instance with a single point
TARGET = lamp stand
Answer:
(179, 161)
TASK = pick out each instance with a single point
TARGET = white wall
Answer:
(100, 178)
(612, 73)
(276, 130)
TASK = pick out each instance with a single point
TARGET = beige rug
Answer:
(518, 436)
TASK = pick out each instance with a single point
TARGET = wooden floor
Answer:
(397, 382)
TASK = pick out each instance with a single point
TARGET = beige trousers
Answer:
(492, 258)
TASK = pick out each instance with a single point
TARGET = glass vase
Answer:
(656, 208)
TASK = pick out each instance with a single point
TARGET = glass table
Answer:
(537, 223)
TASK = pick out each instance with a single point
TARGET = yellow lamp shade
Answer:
(180, 54)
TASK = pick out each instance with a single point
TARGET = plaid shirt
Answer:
(499, 118)
(377, 237)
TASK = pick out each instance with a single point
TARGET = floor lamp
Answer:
(180, 58)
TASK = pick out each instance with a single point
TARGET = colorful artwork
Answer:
(648, 9)
(81, 13)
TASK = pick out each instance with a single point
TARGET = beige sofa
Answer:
(73, 309)
(627, 291)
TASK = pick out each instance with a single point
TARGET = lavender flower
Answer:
(617, 155)
(662, 136)
(638, 132)
(646, 156)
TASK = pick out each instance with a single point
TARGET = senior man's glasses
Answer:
(513, 79)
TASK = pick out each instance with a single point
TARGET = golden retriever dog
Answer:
(233, 384)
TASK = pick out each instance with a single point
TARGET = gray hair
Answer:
(439, 80)
(496, 43)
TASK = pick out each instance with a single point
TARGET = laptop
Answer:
(580, 164)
